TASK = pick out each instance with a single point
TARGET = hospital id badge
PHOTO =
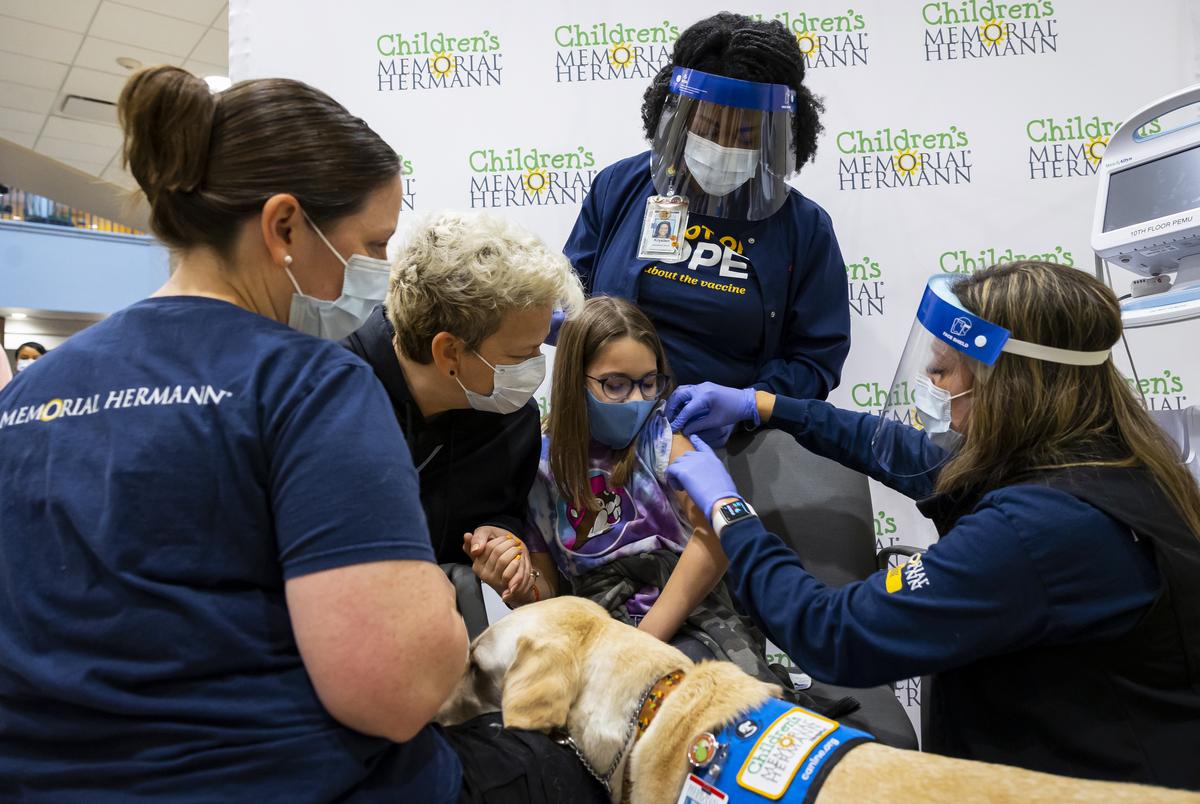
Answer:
(663, 229)
(697, 791)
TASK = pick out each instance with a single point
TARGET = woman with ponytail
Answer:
(217, 579)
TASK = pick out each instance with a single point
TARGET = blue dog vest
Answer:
(775, 752)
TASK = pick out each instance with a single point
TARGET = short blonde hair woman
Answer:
(465, 275)
(458, 347)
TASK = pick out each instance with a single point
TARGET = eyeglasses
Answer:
(618, 387)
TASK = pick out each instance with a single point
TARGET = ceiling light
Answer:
(128, 62)
(218, 83)
(18, 316)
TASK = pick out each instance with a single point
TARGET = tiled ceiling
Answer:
(50, 49)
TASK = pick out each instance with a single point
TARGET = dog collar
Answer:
(648, 706)
(654, 698)
(647, 710)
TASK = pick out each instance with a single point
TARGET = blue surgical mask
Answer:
(364, 285)
(616, 424)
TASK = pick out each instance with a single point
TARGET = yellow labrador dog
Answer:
(564, 665)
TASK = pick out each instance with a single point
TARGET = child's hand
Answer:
(500, 560)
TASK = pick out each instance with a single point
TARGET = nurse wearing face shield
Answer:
(1057, 613)
(748, 286)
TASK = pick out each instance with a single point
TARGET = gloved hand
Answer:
(708, 406)
(557, 317)
(716, 438)
(702, 475)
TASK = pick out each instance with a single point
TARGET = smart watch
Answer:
(731, 512)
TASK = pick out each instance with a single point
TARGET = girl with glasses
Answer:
(601, 512)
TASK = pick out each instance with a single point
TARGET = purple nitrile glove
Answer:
(557, 317)
(708, 406)
(716, 438)
(702, 475)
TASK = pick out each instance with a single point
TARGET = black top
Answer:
(476, 468)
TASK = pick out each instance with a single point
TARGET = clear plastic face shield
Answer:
(725, 145)
(932, 392)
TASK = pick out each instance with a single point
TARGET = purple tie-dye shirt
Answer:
(640, 517)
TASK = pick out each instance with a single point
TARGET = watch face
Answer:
(735, 510)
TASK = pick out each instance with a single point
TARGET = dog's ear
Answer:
(541, 683)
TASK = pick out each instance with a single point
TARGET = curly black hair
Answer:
(737, 46)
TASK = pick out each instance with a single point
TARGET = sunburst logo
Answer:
(808, 43)
(536, 181)
(441, 64)
(992, 32)
(906, 162)
(620, 54)
(1095, 149)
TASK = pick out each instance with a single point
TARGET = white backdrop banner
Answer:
(957, 133)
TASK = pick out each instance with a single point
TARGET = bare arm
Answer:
(382, 642)
(699, 569)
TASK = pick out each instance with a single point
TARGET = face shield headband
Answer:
(947, 346)
(944, 317)
(733, 92)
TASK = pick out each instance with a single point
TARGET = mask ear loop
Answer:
(321, 235)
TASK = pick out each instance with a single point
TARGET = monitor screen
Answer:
(1153, 189)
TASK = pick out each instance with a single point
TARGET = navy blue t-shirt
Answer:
(161, 475)
(708, 307)
(789, 333)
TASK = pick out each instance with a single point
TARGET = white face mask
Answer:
(364, 285)
(512, 386)
(24, 363)
(718, 170)
(933, 406)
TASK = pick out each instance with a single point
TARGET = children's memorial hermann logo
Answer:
(423, 60)
(865, 279)
(607, 51)
(1163, 391)
(525, 177)
(1072, 146)
(891, 158)
(982, 29)
(835, 41)
(969, 260)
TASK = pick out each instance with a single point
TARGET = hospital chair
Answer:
(823, 511)
(468, 593)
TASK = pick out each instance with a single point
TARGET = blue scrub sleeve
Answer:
(584, 241)
(845, 436)
(816, 334)
(974, 595)
(342, 484)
